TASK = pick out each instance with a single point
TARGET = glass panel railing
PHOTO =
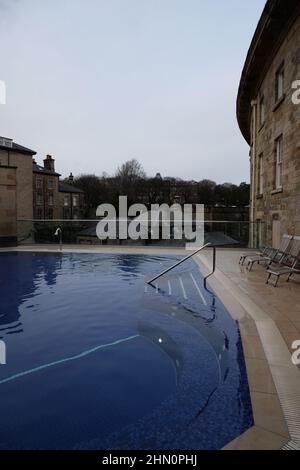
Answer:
(83, 232)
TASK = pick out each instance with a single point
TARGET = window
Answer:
(279, 83)
(261, 174)
(50, 184)
(38, 183)
(66, 213)
(279, 162)
(66, 200)
(39, 213)
(262, 111)
(50, 214)
(39, 199)
(50, 199)
(6, 142)
(75, 200)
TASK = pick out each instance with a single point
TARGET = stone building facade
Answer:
(8, 205)
(30, 192)
(54, 199)
(14, 155)
(269, 119)
(71, 200)
(15, 190)
(45, 190)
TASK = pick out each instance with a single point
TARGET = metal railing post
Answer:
(213, 268)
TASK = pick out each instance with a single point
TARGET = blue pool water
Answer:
(97, 359)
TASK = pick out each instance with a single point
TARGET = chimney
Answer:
(49, 163)
(33, 161)
(71, 179)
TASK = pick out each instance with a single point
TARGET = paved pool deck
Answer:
(269, 320)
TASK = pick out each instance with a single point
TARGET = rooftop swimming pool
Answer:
(98, 359)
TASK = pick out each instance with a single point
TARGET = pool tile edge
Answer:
(255, 322)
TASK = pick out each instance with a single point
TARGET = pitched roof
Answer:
(18, 148)
(40, 169)
(68, 188)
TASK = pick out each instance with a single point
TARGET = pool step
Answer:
(184, 285)
(201, 318)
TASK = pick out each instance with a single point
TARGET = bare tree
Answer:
(130, 171)
(128, 180)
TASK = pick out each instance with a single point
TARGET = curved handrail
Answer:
(213, 268)
(177, 264)
(58, 232)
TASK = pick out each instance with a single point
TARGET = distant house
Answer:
(71, 200)
(29, 191)
(45, 190)
(52, 198)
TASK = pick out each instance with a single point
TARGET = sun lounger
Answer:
(295, 270)
(290, 268)
(290, 264)
(276, 255)
(265, 252)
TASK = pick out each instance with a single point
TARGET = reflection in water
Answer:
(129, 263)
(19, 275)
(176, 384)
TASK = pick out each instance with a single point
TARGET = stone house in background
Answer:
(269, 119)
(71, 200)
(52, 198)
(19, 157)
(45, 190)
(29, 191)
(15, 189)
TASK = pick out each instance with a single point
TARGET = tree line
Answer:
(131, 180)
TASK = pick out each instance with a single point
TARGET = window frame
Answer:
(50, 199)
(279, 162)
(262, 111)
(66, 212)
(279, 80)
(39, 213)
(50, 184)
(50, 213)
(39, 199)
(75, 200)
(66, 200)
(39, 183)
(261, 174)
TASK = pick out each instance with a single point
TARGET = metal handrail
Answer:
(58, 232)
(177, 264)
(213, 268)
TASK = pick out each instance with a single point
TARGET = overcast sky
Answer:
(98, 82)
